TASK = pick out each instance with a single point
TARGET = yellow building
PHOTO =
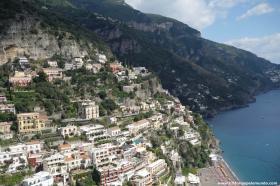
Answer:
(31, 122)
(5, 127)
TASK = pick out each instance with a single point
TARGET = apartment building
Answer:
(157, 167)
(113, 172)
(34, 147)
(138, 126)
(55, 165)
(88, 110)
(142, 178)
(39, 179)
(105, 154)
(31, 122)
(95, 132)
(114, 131)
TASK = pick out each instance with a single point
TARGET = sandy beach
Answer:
(218, 174)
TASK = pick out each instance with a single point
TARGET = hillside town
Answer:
(126, 133)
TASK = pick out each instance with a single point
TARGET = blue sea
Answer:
(250, 139)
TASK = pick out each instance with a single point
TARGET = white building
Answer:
(78, 62)
(180, 180)
(105, 154)
(156, 120)
(53, 73)
(76, 160)
(18, 148)
(112, 120)
(114, 131)
(157, 167)
(34, 147)
(95, 132)
(56, 166)
(94, 68)
(16, 159)
(142, 178)
(23, 61)
(69, 131)
(39, 179)
(31, 147)
(138, 126)
(193, 179)
(68, 66)
(102, 58)
(3, 99)
(5, 108)
(53, 64)
(142, 71)
(88, 109)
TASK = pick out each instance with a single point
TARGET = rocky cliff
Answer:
(205, 75)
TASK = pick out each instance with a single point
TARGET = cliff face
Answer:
(205, 75)
(26, 36)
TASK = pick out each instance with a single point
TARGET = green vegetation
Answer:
(7, 117)
(143, 116)
(5, 143)
(13, 179)
(84, 179)
(194, 156)
(127, 183)
(186, 171)
(173, 54)
(24, 101)
(109, 105)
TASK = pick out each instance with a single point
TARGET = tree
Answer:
(102, 94)
(109, 105)
(42, 77)
(127, 183)
(14, 127)
(7, 117)
(61, 64)
(96, 176)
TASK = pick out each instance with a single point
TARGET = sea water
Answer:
(250, 139)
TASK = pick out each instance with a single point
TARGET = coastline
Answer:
(236, 179)
(219, 173)
(220, 110)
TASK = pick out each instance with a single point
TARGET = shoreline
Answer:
(220, 110)
(230, 170)
(219, 173)
(227, 169)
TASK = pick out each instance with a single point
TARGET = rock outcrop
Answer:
(28, 37)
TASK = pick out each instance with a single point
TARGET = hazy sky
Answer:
(253, 25)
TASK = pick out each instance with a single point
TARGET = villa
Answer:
(6, 108)
(53, 73)
(20, 79)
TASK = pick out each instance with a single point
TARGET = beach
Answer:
(218, 174)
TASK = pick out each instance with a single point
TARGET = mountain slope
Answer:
(207, 76)
(25, 30)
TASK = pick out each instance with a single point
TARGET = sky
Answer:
(253, 25)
